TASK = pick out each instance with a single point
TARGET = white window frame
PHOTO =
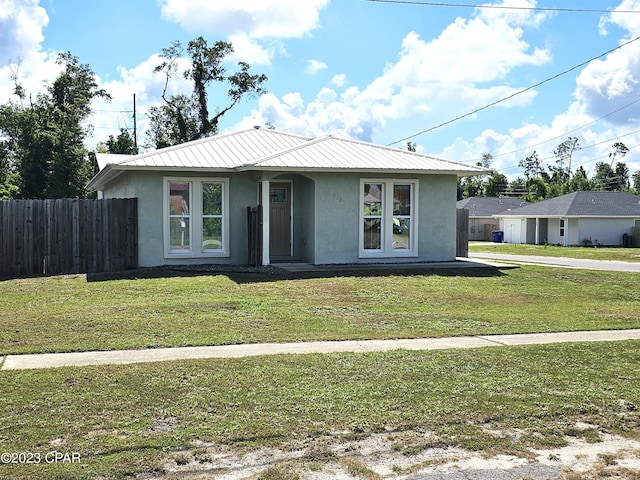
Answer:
(196, 218)
(386, 249)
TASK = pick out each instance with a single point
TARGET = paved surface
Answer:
(611, 265)
(534, 471)
(460, 263)
(48, 360)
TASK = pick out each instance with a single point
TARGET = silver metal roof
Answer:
(271, 150)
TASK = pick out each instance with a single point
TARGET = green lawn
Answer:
(124, 420)
(593, 253)
(68, 314)
(127, 420)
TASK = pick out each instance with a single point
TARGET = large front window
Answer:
(388, 218)
(196, 214)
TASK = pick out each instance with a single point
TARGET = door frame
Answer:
(291, 209)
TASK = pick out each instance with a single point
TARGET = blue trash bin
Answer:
(498, 236)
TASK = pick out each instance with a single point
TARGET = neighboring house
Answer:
(325, 200)
(578, 218)
(482, 222)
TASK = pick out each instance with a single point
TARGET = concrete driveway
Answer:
(562, 262)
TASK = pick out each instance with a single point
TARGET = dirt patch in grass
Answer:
(399, 454)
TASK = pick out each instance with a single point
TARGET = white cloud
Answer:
(314, 66)
(612, 83)
(246, 50)
(258, 19)
(21, 24)
(249, 24)
(110, 117)
(339, 80)
(448, 74)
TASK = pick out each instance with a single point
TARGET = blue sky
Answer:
(376, 71)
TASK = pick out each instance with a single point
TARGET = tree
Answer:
(564, 155)
(123, 144)
(184, 118)
(496, 185)
(537, 190)
(636, 182)
(603, 176)
(531, 165)
(517, 188)
(619, 150)
(621, 177)
(43, 141)
(579, 182)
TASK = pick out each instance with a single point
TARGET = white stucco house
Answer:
(482, 211)
(578, 218)
(325, 200)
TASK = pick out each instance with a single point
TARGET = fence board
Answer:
(462, 232)
(54, 237)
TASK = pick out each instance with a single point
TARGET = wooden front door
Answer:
(280, 219)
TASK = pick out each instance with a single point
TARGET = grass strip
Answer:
(126, 420)
(590, 253)
(64, 314)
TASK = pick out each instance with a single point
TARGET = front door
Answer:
(280, 219)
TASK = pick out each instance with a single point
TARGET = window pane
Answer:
(372, 234)
(178, 198)
(401, 233)
(179, 233)
(402, 199)
(278, 195)
(212, 234)
(212, 199)
(373, 199)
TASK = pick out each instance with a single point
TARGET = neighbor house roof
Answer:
(489, 206)
(270, 150)
(582, 204)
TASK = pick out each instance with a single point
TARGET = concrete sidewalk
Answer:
(561, 262)
(50, 360)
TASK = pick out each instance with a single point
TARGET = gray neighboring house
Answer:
(326, 200)
(578, 218)
(482, 222)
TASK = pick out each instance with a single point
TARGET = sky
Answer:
(505, 78)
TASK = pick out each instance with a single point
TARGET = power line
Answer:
(529, 147)
(519, 92)
(502, 7)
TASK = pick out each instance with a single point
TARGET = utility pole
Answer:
(135, 131)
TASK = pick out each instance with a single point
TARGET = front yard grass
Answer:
(130, 419)
(590, 253)
(61, 314)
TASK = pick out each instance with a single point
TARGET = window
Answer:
(196, 217)
(562, 228)
(388, 218)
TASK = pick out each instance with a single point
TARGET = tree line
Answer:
(42, 136)
(540, 181)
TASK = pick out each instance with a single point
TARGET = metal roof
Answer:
(270, 150)
(582, 204)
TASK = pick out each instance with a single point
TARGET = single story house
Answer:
(578, 218)
(482, 222)
(325, 200)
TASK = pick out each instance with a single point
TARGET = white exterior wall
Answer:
(604, 231)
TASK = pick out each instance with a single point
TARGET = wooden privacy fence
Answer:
(254, 227)
(53, 237)
(462, 232)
